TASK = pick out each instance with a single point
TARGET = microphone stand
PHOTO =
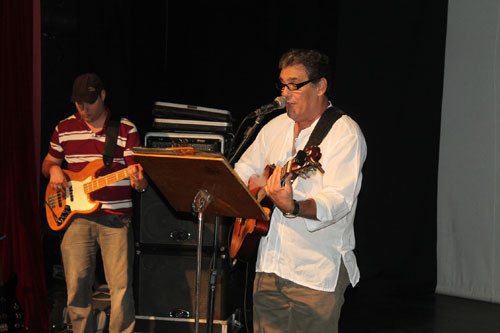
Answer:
(213, 279)
(248, 134)
(213, 267)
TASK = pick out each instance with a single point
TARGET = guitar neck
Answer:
(310, 162)
(104, 181)
(286, 170)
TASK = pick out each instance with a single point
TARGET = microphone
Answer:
(278, 103)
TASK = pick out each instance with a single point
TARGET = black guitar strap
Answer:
(111, 139)
(325, 123)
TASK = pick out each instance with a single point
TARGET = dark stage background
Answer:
(387, 60)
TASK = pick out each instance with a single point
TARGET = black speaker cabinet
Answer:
(165, 286)
(165, 267)
(156, 222)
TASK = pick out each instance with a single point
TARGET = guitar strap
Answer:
(111, 139)
(325, 123)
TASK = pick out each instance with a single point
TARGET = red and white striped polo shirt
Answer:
(75, 142)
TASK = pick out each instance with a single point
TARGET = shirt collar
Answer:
(103, 130)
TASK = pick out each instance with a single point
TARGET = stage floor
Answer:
(433, 313)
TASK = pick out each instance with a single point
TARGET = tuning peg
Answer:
(317, 165)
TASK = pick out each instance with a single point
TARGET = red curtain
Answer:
(21, 249)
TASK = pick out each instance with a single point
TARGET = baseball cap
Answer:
(86, 88)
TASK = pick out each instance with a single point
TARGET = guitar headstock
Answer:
(305, 162)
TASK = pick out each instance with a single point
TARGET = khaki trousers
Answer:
(113, 234)
(280, 305)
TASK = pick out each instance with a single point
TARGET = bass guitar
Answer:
(61, 205)
(246, 233)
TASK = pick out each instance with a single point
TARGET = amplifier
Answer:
(213, 143)
(166, 263)
(183, 111)
(186, 125)
(189, 118)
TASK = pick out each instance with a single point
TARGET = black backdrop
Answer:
(388, 59)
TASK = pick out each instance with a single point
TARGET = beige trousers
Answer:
(280, 305)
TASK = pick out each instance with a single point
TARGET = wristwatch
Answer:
(295, 211)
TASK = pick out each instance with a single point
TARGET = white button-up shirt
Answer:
(309, 252)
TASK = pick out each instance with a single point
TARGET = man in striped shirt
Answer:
(79, 140)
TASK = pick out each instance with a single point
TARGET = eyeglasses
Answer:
(292, 86)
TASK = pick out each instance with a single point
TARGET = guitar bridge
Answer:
(64, 215)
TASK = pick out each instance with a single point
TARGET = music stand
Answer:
(193, 180)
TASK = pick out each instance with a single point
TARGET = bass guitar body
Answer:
(62, 205)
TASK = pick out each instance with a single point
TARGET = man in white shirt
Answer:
(306, 261)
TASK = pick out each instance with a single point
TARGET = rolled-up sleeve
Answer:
(344, 152)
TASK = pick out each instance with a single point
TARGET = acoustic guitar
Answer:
(61, 205)
(246, 233)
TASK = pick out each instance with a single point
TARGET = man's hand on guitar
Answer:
(255, 183)
(137, 179)
(51, 168)
(280, 190)
(58, 179)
